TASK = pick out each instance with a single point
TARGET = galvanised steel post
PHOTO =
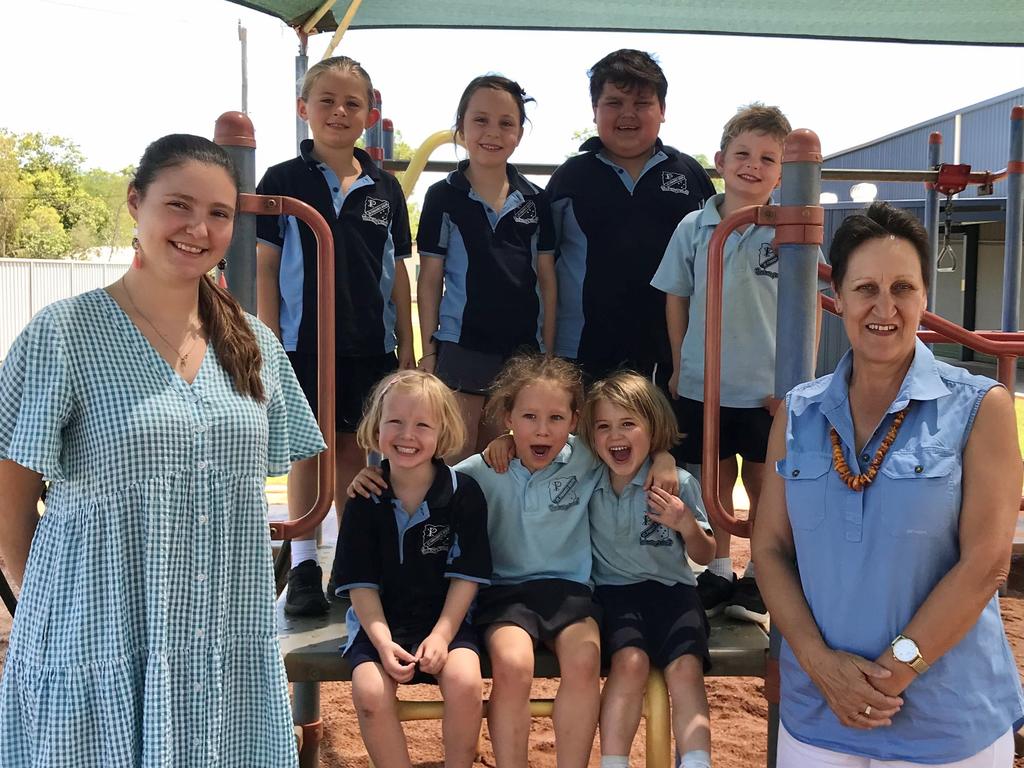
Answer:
(931, 213)
(235, 133)
(1014, 221)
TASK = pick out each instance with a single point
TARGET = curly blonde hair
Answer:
(638, 395)
(523, 370)
(451, 430)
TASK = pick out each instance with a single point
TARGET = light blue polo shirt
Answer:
(537, 521)
(628, 546)
(750, 291)
(868, 561)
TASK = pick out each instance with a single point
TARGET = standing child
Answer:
(750, 162)
(366, 211)
(615, 207)
(540, 545)
(411, 560)
(485, 237)
(641, 540)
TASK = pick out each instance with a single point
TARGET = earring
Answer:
(222, 264)
(137, 247)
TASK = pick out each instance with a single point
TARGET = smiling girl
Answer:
(487, 280)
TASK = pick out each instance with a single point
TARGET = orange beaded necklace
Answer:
(860, 482)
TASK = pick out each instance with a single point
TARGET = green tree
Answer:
(14, 194)
(41, 235)
(705, 163)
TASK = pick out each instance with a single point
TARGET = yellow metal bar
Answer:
(318, 14)
(419, 160)
(343, 26)
(659, 722)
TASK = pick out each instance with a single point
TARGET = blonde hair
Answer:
(451, 429)
(639, 396)
(759, 118)
(336, 64)
(523, 370)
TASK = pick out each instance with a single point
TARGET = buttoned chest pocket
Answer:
(806, 476)
(920, 498)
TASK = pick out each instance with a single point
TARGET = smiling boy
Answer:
(615, 208)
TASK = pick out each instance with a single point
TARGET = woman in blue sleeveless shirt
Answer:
(886, 529)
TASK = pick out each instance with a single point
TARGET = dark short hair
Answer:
(496, 83)
(878, 221)
(627, 69)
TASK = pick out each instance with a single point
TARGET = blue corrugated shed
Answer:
(984, 144)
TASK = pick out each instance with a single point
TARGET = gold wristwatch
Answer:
(904, 649)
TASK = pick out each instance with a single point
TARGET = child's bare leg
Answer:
(690, 720)
(301, 491)
(471, 407)
(373, 696)
(753, 476)
(462, 690)
(622, 700)
(728, 470)
(508, 712)
(578, 700)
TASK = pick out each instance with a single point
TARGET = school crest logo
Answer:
(767, 257)
(526, 213)
(563, 493)
(674, 182)
(377, 211)
(436, 538)
(655, 534)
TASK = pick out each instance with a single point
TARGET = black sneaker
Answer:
(714, 591)
(305, 591)
(746, 603)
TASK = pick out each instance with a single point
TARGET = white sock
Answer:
(303, 551)
(749, 571)
(696, 758)
(614, 761)
(720, 566)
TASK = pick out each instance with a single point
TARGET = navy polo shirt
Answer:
(612, 233)
(370, 225)
(410, 557)
(491, 300)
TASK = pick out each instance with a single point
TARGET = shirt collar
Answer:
(369, 166)
(516, 181)
(595, 145)
(922, 381)
(605, 481)
(440, 491)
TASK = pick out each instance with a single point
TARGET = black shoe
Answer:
(746, 603)
(714, 591)
(305, 591)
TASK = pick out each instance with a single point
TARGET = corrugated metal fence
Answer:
(28, 285)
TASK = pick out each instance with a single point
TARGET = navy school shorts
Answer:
(742, 431)
(542, 607)
(362, 650)
(354, 379)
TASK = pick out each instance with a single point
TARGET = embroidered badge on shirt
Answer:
(563, 493)
(655, 534)
(526, 213)
(766, 257)
(436, 538)
(674, 182)
(377, 211)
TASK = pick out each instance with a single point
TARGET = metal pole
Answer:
(795, 319)
(243, 38)
(301, 65)
(931, 213)
(235, 133)
(1014, 221)
(306, 711)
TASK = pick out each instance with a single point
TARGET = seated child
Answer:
(641, 540)
(411, 559)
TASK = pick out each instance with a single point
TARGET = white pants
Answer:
(796, 754)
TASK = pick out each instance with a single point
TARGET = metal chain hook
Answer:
(947, 261)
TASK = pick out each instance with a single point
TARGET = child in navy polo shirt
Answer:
(411, 559)
(641, 540)
(615, 207)
(750, 162)
(366, 211)
(486, 236)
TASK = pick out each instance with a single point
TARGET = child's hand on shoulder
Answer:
(432, 654)
(668, 509)
(398, 662)
(369, 482)
(499, 453)
(663, 473)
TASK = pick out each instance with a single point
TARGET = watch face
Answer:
(905, 650)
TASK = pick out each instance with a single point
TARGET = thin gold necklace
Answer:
(182, 356)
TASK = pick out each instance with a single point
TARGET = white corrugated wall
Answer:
(28, 285)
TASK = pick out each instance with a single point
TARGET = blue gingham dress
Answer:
(145, 634)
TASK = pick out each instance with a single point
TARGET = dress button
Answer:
(200, 633)
(200, 428)
(200, 577)
(203, 519)
(796, 473)
(197, 741)
(199, 687)
(865, 457)
(919, 469)
(201, 465)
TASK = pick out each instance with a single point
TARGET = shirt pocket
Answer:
(919, 493)
(806, 474)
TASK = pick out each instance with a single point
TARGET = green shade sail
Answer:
(973, 22)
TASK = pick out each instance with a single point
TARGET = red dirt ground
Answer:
(738, 710)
